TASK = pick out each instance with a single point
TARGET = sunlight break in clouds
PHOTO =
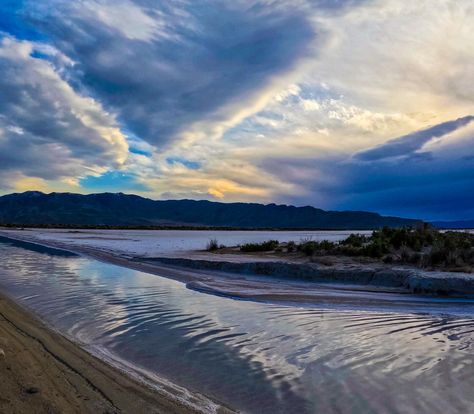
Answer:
(247, 100)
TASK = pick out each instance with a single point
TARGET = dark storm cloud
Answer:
(431, 185)
(410, 143)
(203, 56)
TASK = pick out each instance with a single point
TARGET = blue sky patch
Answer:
(192, 165)
(113, 181)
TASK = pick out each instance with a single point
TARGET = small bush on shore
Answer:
(212, 245)
(290, 246)
(311, 247)
(355, 240)
(266, 246)
(308, 247)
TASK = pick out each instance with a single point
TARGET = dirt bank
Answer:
(409, 280)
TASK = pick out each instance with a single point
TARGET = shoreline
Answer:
(92, 380)
(44, 371)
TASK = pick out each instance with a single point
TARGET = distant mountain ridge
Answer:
(117, 209)
(459, 225)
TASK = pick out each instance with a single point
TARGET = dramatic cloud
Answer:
(411, 143)
(47, 131)
(165, 67)
(259, 100)
(434, 184)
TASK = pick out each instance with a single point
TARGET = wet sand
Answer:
(43, 372)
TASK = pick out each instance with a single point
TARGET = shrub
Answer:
(375, 249)
(311, 247)
(351, 251)
(355, 240)
(308, 247)
(422, 246)
(468, 256)
(417, 259)
(212, 245)
(437, 256)
(266, 246)
(388, 259)
(326, 245)
(446, 248)
(290, 246)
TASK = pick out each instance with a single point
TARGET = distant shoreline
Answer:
(19, 226)
(185, 228)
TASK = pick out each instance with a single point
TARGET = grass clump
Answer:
(212, 245)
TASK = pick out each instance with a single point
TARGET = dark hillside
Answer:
(35, 208)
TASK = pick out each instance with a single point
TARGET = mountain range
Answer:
(455, 225)
(116, 209)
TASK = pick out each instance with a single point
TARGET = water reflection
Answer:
(257, 357)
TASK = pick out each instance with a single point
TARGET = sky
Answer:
(339, 104)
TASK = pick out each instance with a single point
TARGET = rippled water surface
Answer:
(259, 358)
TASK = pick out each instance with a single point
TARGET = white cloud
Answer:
(402, 56)
(48, 131)
(126, 18)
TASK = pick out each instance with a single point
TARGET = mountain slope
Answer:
(462, 224)
(36, 208)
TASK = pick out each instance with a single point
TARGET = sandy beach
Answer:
(43, 372)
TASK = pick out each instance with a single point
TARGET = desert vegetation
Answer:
(266, 246)
(212, 245)
(423, 247)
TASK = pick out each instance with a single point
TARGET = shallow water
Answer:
(260, 358)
